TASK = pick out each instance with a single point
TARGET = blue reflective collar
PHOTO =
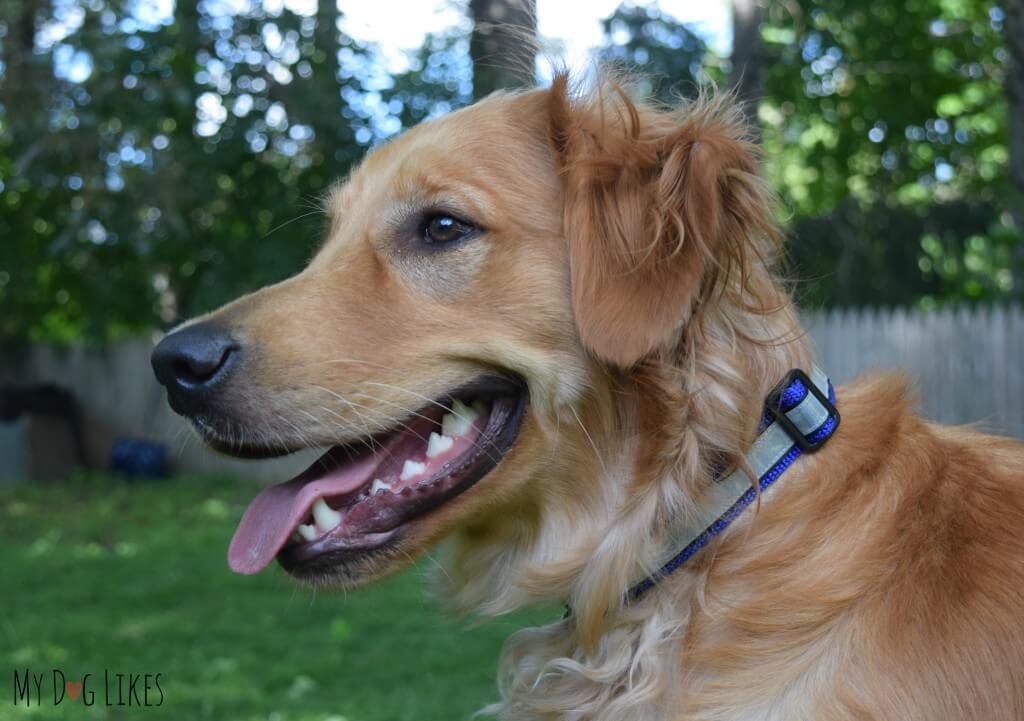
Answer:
(799, 417)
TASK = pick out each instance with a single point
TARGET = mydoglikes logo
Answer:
(109, 688)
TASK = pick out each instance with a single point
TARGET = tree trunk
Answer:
(25, 70)
(747, 57)
(28, 86)
(328, 73)
(23, 40)
(504, 44)
(1014, 28)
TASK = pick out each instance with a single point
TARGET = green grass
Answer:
(101, 574)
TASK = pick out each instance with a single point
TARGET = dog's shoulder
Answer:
(947, 550)
(886, 575)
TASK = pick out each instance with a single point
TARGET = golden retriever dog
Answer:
(545, 327)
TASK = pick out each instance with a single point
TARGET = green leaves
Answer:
(145, 193)
(900, 112)
(900, 93)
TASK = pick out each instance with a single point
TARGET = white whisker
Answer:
(590, 439)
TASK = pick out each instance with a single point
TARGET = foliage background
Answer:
(152, 167)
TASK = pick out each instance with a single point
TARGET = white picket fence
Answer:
(967, 363)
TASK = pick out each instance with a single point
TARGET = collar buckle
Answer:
(773, 406)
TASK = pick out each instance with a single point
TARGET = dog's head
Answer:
(483, 276)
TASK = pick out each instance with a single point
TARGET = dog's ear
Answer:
(660, 208)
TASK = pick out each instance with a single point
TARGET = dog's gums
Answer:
(356, 499)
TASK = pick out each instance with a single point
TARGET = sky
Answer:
(399, 25)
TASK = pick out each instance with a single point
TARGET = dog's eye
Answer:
(444, 229)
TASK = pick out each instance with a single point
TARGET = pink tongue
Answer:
(275, 513)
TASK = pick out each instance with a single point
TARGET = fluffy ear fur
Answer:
(661, 209)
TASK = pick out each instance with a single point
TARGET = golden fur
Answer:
(625, 270)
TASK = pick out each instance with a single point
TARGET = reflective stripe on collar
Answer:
(771, 453)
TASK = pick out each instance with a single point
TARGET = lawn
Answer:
(105, 575)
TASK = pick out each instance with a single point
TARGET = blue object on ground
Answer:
(137, 457)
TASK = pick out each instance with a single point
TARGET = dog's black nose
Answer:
(192, 363)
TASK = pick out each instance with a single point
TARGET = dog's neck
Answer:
(634, 456)
(694, 415)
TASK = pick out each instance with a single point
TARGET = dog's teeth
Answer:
(438, 444)
(459, 421)
(379, 485)
(308, 532)
(326, 517)
(411, 469)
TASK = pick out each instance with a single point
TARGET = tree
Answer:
(747, 56)
(881, 116)
(1014, 28)
(153, 168)
(439, 79)
(668, 55)
(503, 44)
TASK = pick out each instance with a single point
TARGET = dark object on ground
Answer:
(52, 435)
(137, 457)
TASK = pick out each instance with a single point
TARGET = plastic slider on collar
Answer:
(791, 416)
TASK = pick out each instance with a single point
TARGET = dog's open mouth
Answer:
(357, 497)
